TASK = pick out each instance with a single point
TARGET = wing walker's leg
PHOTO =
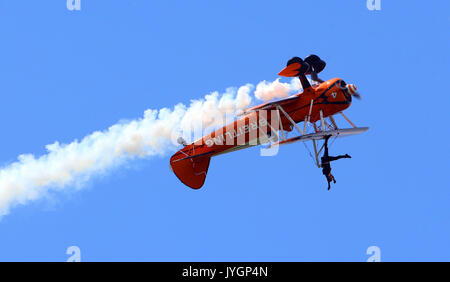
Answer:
(325, 145)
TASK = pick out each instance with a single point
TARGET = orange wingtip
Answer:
(291, 70)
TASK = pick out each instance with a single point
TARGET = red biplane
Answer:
(270, 122)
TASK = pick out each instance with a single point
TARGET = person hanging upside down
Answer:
(326, 159)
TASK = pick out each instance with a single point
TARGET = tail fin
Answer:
(190, 170)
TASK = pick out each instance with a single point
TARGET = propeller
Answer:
(351, 89)
(357, 95)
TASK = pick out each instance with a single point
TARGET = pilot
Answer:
(315, 77)
(326, 159)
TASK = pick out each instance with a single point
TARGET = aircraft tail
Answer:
(191, 170)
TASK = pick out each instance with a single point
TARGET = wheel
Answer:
(316, 63)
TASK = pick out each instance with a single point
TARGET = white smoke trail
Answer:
(268, 90)
(68, 165)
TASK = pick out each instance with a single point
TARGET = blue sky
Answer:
(66, 74)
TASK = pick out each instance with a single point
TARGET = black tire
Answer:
(294, 60)
(316, 63)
